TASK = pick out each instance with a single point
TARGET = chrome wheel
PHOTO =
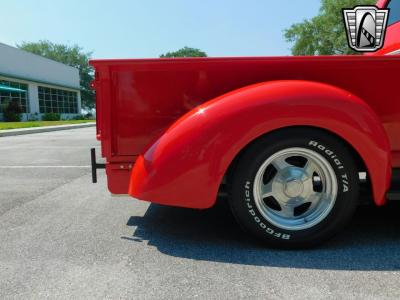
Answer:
(295, 189)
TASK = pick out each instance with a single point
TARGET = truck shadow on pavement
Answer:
(371, 241)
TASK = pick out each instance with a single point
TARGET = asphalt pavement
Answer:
(63, 237)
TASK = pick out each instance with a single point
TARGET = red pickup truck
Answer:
(292, 140)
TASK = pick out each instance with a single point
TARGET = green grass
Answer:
(17, 125)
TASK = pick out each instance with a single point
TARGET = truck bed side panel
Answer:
(146, 96)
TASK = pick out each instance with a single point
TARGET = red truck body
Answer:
(190, 117)
(172, 129)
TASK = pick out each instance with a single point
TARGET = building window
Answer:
(14, 95)
(57, 101)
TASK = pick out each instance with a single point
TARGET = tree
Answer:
(69, 55)
(185, 52)
(12, 111)
(324, 34)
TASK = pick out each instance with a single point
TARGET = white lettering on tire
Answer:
(344, 178)
(252, 212)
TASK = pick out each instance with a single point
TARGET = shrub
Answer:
(51, 117)
(12, 112)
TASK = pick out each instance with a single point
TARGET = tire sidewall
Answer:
(338, 156)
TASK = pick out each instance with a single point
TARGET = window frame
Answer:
(56, 100)
(21, 97)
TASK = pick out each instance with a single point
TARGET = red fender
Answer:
(186, 165)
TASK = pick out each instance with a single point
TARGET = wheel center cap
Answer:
(293, 188)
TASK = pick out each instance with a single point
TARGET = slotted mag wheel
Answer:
(295, 188)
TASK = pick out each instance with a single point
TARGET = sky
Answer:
(148, 28)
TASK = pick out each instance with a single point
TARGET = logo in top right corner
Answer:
(366, 27)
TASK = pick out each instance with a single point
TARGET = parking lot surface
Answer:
(63, 237)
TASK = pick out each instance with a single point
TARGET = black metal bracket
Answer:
(95, 165)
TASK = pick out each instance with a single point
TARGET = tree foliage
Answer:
(325, 33)
(185, 52)
(12, 111)
(70, 55)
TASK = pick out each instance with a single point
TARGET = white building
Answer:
(39, 84)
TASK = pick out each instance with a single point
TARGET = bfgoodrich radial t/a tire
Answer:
(295, 187)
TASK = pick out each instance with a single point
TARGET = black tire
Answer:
(335, 152)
